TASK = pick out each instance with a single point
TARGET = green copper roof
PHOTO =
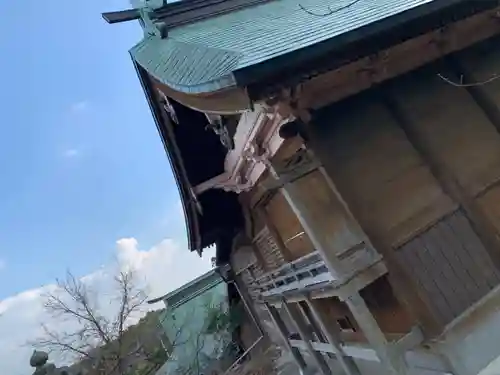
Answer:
(202, 56)
(187, 67)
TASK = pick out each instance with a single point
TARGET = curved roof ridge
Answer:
(187, 67)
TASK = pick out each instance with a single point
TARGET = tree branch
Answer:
(472, 84)
(98, 341)
(330, 10)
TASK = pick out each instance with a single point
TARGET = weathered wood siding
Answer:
(326, 213)
(421, 173)
(283, 229)
(451, 264)
(288, 227)
(391, 316)
(385, 179)
(278, 236)
(328, 218)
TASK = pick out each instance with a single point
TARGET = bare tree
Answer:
(102, 340)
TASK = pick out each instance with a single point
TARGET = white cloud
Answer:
(164, 267)
(80, 106)
(71, 153)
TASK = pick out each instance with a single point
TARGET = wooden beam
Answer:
(410, 341)
(362, 74)
(121, 16)
(248, 303)
(354, 350)
(347, 363)
(282, 330)
(311, 318)
(338, 270)
(393, 361)
(295, 314)
(477, 92)
(450, 185)
(310, 225)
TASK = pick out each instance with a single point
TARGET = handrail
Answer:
(310, 271)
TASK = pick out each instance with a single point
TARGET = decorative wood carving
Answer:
(223, 128)
(167, 106)
(256, 139)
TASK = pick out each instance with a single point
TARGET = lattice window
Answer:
(269, 249)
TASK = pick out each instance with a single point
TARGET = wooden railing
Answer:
(310, 272)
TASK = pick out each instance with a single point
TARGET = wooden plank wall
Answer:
(326, 213)
(379, 172)
(421, 173)
(288, 227)
(392, 317)
(451, 264)
(389, 313)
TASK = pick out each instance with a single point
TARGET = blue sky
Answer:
(84, 177)
(81, 162)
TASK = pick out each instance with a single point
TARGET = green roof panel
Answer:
(202, 56)
(186, 67)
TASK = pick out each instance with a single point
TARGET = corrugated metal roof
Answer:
(200, 57)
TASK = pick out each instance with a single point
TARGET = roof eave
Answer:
(206, 88)
(193, 236)
(147, 54)
(183, 287)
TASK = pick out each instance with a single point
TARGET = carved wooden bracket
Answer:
(256, 139)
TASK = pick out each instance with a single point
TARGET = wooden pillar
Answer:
(247, 302)
(364, 317)
(296, 316)
(347, 363)
(480, 222)
(389, 357)
(477, 92)
(316, 328)
(407, 292)
(319, 240)
(283, 331)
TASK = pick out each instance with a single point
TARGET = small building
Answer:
(189, 310)
(344, 157)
